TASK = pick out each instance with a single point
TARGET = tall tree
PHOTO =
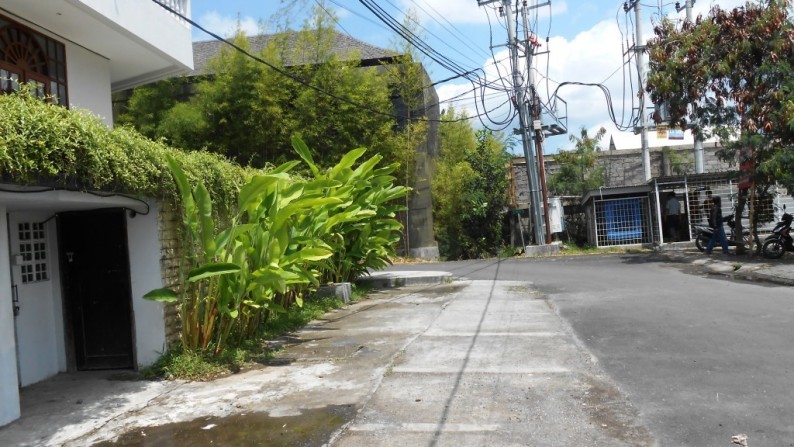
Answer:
(469, 189)
(456, 140)
(249, 111)
(731, 74)
(579, 168)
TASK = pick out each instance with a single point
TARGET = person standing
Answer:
(672, 211)
(715, 221)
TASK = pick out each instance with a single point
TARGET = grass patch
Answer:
(587, 249)
(179, 363)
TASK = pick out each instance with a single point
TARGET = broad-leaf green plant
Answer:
(362, 229)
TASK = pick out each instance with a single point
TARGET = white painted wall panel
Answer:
(150, 23)
(9, 385)
(143, 235)
(89, 82)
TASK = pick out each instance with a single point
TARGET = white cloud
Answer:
(225, 26)
(595, 55)
(467, 11)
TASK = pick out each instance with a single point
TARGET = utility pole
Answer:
(537, 127)
(698, 136)
(525, 121)
(640, 55)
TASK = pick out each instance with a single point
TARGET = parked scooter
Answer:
(780, 240)
(703, 233)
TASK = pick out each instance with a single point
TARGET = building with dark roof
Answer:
(418, 221)
(346, 48)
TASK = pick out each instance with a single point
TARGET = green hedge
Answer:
(48, 145)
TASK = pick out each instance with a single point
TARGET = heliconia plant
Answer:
(362, 230)
(287, 237)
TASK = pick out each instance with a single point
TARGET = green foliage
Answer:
(180, 363)
(249, 112)
(741, 59)
(579, 169)
(286, 235)
(730, 74)
(469, 190)
(361, 229)
(45, 144)
(252, 247)
(147, 106)
(680, 162)
(408, 79)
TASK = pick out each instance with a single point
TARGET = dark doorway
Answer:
(96, 287)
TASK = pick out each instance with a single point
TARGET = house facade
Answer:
(74, 265)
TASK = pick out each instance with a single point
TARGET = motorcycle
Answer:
(780, 241)
(703, 233)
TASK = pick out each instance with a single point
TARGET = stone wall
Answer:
(170, 223)
(621, 168)
(624, 167)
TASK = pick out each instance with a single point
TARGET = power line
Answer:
(285, 73)
(462, 37)
(416, 41)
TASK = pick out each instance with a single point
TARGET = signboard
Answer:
(556, 215)
(661, 132)
(675, 134)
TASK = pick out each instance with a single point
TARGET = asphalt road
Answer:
(702, 358)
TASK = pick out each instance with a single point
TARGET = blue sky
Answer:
(586, 43)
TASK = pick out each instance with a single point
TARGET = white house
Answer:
(74, 266)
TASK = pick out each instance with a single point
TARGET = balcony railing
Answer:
(182, 7)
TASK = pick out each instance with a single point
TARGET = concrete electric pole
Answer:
(537, 126)
(526, 121)
(698, 137)
(639, 51)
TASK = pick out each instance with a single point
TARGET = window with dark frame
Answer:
(31, 57)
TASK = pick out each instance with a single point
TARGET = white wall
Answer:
(57, 297)
(149, 22)
(88, 76)
(9, 386)
(144, 247)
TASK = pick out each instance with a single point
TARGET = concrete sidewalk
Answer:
(746, 267)
(467, 363)
(497, 367)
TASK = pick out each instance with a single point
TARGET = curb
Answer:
(757, 272)
(389, 280)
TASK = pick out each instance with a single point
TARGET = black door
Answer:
(96, 287)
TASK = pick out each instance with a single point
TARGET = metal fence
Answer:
(695, 202)
(623, 221)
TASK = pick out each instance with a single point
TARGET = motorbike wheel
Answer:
(701, 243)
(773, 249)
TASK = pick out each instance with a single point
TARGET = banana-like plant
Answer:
(287, 236)
(235, 276)
(361, 230)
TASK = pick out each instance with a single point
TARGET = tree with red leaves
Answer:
(730, 75)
